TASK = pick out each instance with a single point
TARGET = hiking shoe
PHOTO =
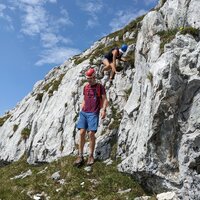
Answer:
(90, 161)
(79, 161)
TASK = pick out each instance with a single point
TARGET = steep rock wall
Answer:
(159, 133)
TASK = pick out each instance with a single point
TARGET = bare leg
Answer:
(92, 146)
(81, 141)
(92, 142)
(106, 65)
(80, 160)
(112, 74)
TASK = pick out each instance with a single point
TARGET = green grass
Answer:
(3, 119)
(25, 133)
(80, 60)
(15, 127)
(55, 84)
(166, 37)
(51, 86)
(190, 30)
(133, 26)
(47, 86)
(103, 182)
(169, 35)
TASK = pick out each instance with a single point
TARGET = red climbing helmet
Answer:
(90, 73)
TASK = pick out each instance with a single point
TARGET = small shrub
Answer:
(127, 93)
(47, 86)
(15, 127)
(25, 133)
(92, 59)
(190, 30)
(3, 119)
(166, 37)
(80, 60)
(150, 77)
(39, 97)
(54, 84)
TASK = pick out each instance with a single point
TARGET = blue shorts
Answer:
(88, 121)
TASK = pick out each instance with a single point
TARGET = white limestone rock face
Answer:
(193, 13)
(54, 128)
(51, 121)
(181, 13)
(167, 196)
(159, 133)
(51, 115)
(156, 126)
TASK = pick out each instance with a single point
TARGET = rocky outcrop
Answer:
(154, 115)
(159, 133)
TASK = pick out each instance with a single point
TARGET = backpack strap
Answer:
(99, 94)
(86, 85)
(98, 89)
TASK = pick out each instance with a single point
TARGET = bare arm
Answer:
(114, 60)
(123, 59)
(83, 104)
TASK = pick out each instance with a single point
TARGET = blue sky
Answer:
(37, 35)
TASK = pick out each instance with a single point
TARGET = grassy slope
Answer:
(103, 182)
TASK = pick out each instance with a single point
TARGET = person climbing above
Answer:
(110, 59)
(93, 105)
